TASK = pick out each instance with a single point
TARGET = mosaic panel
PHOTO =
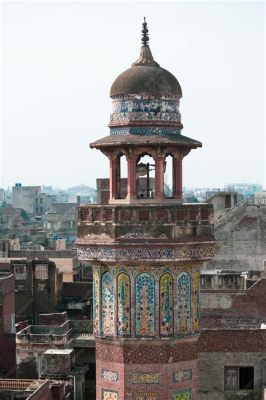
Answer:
(166, 305)
(145, 377)
(145, 396)
(183, 302)
(145, 105)
(108, 322)
(146, 131)
(123, 304)
(145, 305)
(109, 395)
(196, 300)
(182, 375)
(182, 395)
(96, 302)
(110, 376)
(105, 253)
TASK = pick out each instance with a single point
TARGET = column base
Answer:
(148, 370)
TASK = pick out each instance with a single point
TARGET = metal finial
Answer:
(145, 36)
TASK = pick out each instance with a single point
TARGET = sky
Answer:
(59, 59)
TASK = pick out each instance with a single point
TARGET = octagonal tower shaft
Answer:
(146, 246)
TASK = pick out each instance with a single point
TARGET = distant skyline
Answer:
(60, 59)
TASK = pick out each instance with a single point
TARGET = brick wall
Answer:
(225, 308)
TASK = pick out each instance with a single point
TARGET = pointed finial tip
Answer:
(145, 36)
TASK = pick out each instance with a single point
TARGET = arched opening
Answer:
(122, 177)
(168, 177)
(145, 176)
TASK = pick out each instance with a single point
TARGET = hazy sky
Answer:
(60, 59)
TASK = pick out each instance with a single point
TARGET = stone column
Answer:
(177, 177)
(159, 177)
(113, 178)
(131, 178)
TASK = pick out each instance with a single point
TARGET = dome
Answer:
(146, 76)
(145, 79)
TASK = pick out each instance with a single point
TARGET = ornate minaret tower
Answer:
(146, 246)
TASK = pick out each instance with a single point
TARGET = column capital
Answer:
(180, 154)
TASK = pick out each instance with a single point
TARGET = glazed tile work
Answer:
(96, 301)
(105, 253)
(166, 305)
(145, 131)
(110, 376)
(123, 304)
(108, 313)
(145, 305)
(145, 105)
(145, 377)
(182, 395)
(183, 302)
(145, 110)
(142, 285)
(196, 301)
(109, 395)
(145, 396)
(182, 375)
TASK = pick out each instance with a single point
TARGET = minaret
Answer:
(146, 247)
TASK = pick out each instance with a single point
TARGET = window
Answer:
(238, 378)
(20, 271)
(41, 272)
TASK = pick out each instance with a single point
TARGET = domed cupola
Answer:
(145, 121)
(145, 95)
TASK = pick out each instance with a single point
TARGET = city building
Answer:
(7, 325)
(38, 286)
(146, 246)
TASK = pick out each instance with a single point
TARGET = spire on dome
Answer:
(145, 57)
(145, 36)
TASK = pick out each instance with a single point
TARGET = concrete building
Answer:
(146, 246)
(7, 324)
(31, 199)
(241, 238)
(38, 287)
(61, 223)
(222, 202)
(58, 349)
(25, 197)
(232, 346)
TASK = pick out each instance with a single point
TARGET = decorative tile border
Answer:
(104, 253)
(109, 394)
(182, 375)
(110, 376)
(145, 396)
(145, 377)
(184, 394)
(146, 131)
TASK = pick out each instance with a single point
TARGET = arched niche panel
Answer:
(96, 302)
(166, 305)
(108, 315)
(183, 302)
(196, 301)
(145, 305)
(123, 304)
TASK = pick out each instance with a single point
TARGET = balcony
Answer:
(155, 231)
(156, 221)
